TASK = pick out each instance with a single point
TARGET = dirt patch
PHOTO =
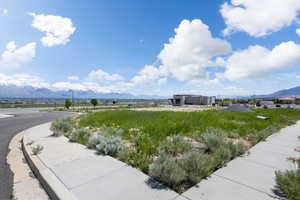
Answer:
(185, 108)
(25, 185)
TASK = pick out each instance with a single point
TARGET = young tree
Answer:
(253, 101)
(94, 102)
(68, 103)
(258, 104)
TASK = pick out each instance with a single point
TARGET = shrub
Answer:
(236, 149)
(175, 145)
(221, 156)
(216, 131)
(227, 152)
(94, 140)
(136, 159)
(37, 149)
(167, 170)
(111, 131)
(257, 136)
(179, 172)
(197, 165)
(125, 155)
(110, 145)
(80, 135)
(289, 183)
(139, 138)
(213, 141)
(61, 127)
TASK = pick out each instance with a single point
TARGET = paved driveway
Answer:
(15, 111)
(24, 118)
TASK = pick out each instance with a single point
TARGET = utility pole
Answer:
(72, 98)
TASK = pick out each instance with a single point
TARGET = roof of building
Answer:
(287, 99)
(237, 108)
(267, 102)
(192, 95)
(184, 95)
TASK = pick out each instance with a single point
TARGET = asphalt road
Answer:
(20, 110)
(9, 127)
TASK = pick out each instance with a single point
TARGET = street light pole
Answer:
(72, 98)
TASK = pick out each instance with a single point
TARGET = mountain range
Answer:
(292, 92)
(287, 92)
(13, 91)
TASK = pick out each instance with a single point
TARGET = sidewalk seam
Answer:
(261, 164)
(244, 185)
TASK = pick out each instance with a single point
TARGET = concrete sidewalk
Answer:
(85, 175)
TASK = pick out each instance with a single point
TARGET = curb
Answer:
(52, 185)
(2, 116)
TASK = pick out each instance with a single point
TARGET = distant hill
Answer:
(13, 91)
(292, 92)
(288, 92)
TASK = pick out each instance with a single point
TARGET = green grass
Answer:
(147, 131)
(159, 125)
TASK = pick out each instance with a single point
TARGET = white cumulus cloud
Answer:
(190, 50)
(15, 57)
(37, 82)
(259, 17)
(258, 61)
(92, 86)
(73, 78)
(69, 86)
(22, 80)
(5, 12)
(100, 75)
(58, 29)
(298, 32)
(148, 74)
(162, 81)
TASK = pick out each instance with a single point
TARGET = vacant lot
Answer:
(177, 148)
(162, 124)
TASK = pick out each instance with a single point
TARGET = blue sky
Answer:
(220, 47)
